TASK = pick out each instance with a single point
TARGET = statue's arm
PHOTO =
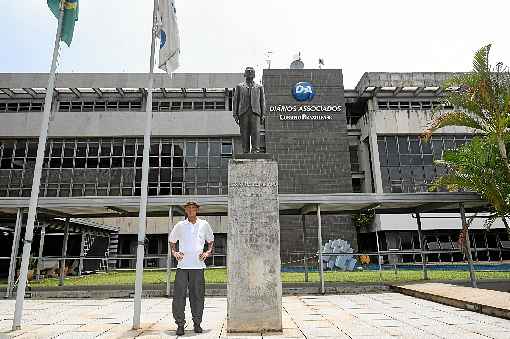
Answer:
(235, 104)
(262, 102)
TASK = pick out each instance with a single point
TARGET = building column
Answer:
(82, 252)
(319, 238)
(305, 259)
(374, 148)
(379, 258)
(14, 252)
(41, 248)
(107, 254)
(422, 247)
(64, 253)
(364, 159)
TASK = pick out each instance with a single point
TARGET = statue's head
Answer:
(249, 73)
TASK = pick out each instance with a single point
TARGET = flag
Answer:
(70, 17)
(169, 47)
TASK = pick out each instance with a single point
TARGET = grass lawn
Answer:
(219, 275)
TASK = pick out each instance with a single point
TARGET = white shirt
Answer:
(192, 238)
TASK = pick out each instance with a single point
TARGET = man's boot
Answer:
(180, 330)
(197, 328)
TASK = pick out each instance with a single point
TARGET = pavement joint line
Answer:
(293, 319)
(404, 322)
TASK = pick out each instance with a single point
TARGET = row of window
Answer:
(117, 153)
(29, 106)
(411, 105)
(411, 150)
(112, 166)
(157, 106)
(407, 163)
(114, 106)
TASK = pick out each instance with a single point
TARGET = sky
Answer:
(228, 35)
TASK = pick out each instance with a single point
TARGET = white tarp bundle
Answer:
(344, 262)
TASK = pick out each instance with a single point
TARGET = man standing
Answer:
(249, 104)
(192, 233)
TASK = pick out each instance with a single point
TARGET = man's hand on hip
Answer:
(204, 255)
(178, 255)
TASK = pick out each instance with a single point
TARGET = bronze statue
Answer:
(249, 104)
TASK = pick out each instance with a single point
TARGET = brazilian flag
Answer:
(70, 17)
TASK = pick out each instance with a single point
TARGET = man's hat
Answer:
(191, 203)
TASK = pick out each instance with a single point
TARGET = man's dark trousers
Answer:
(249, 124)
(194, 281)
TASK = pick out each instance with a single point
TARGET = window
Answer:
(382, 105)
(64, 106)
(112, 106)
(176, 106)
(355, 166)
(226, 149)
(12, 107)
(76, 106)
(164, 106)
(100, 106)
(24, 107)
(356, 185)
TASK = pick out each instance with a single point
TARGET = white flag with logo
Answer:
(169, 48)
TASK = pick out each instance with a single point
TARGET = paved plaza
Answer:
(378, 315)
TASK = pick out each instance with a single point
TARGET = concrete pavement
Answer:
(363, 316)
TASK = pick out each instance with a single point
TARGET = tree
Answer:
(477, 166)
(481, 100)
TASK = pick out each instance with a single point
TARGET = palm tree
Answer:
(477, 166)
(482, 101)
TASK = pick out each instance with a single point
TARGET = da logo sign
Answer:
(303, 91)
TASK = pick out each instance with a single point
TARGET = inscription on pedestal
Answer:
(254, 283)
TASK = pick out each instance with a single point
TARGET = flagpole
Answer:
(145, 180)
(32, 209)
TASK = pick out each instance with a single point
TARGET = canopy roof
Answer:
(89, 207)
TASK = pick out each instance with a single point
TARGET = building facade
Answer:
(338, 141)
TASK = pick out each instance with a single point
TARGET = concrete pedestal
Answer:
(254, 289)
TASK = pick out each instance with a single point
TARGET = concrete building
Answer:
(396, 110)
(342, 141)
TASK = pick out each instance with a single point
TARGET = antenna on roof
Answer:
(268, 58)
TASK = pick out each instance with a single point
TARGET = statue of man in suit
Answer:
(249, 104)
